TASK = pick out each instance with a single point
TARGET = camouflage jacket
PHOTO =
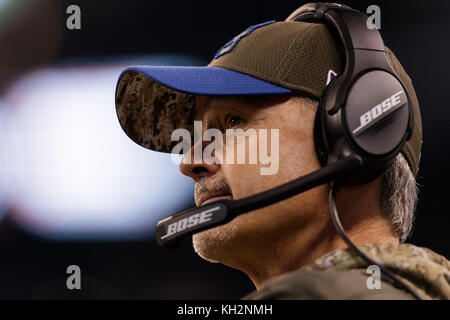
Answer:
(342, 275)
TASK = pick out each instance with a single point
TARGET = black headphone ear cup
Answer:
(320, 136)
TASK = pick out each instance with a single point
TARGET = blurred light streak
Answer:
(69, 171)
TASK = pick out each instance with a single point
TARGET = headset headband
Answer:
(363, 47)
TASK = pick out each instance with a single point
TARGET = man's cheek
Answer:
(241, 178)
(297, 156)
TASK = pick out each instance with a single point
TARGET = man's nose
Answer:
(199, 168)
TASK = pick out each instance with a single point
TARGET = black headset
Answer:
(365, 110)
(363, 119)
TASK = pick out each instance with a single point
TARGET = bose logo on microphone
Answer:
(189, 222)
(378, 110)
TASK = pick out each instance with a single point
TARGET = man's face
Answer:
(294, 119)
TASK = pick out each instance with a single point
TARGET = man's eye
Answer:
(233, 121)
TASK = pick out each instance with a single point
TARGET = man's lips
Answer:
(205, 199)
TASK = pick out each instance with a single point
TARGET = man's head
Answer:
(270, 76)
(385, 206)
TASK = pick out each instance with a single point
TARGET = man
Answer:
(270, 78)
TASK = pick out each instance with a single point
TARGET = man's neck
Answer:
(294, 253)
(362, 221)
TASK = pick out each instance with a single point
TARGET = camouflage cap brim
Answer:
(149, 112)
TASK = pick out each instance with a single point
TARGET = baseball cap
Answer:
(265, 59)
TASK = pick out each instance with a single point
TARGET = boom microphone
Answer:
(187, 222)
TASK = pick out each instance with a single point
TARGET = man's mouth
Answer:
(206, 199)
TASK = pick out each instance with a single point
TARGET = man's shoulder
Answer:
(341, 274)
(315, 285)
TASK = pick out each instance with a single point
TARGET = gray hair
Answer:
(399, 195)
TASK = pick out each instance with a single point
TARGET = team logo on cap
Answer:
(232, 43)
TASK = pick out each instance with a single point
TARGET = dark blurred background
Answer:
(75, 190)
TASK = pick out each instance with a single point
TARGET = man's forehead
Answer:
(210, 101)
(203, 104)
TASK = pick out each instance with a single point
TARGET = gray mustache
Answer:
(203, 185)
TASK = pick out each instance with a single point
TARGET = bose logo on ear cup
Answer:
(378, 110)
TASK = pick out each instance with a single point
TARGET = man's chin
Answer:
(212, 244)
